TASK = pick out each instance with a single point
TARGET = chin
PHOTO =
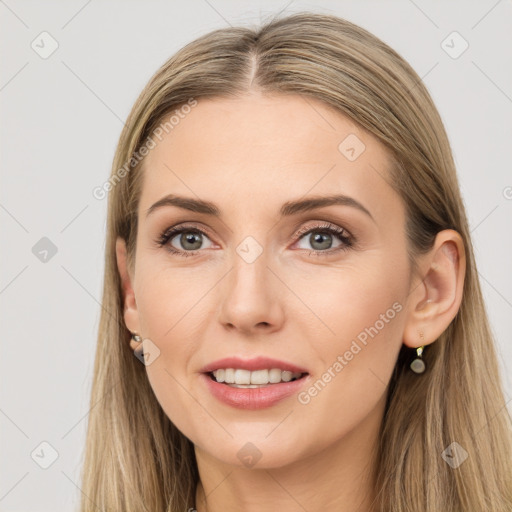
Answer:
(254, 448)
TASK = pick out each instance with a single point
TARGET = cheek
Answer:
(350, 385)
(356, 345)
(169, 299)
(360, 300)
(173, 309)
(173, 312)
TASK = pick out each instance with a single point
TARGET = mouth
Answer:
(245, 379)
(253, 384)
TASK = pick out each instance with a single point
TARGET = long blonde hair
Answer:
(135, 458)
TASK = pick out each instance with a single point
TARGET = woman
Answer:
(289, 260)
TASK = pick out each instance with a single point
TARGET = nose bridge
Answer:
(249, 264)
(249, 296)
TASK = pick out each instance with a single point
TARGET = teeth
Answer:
(246, 378)
(274, 375)
(261, 377)
(229, 376)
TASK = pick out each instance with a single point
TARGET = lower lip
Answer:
(253, 398)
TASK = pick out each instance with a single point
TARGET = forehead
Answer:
(258, 150)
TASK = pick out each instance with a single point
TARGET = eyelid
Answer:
(187, 226)
(323, 224)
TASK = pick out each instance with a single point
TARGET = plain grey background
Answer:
(61, 116)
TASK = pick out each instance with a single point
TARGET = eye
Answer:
(321, 239)
(183, 241)
(325, 239)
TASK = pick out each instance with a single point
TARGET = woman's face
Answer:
(321, 288)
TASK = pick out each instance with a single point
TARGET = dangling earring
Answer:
(139, 351)
(418, 365)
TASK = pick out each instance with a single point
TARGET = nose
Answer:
(251, 297)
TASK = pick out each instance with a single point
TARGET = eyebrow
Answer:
(287, 209)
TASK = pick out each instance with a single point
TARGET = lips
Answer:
(260, 397)
(257, 363)
(253, 396)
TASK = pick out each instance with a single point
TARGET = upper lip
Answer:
(257, 363)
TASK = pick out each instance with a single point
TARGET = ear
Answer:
(435, 300)
(130, 312)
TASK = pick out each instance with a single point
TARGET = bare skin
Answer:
(304, 299)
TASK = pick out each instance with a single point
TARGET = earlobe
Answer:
(130, 312)
(435, 301)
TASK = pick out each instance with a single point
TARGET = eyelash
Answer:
(346, 239)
